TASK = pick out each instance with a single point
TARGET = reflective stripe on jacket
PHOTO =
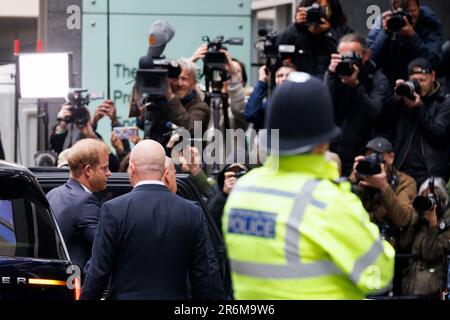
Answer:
(294, 234)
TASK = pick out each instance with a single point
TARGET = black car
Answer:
(34, 262)
(118, 184)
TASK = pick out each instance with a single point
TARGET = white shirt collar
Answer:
(85, 189)
(151, 182)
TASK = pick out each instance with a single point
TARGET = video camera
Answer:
(152, 77)
(268, 45)
(407, 89)
(215, 59)
(370, 165)
(315, 14)
(346, 67)
(79, 99)
(396, 22)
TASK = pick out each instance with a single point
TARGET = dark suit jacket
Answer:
(147, 241)
(77, 213)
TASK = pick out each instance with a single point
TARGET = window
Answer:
(27, 228)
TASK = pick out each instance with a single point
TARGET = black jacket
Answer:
(356, 111)
(312, 52)
(393, 54)
(148, 242)
(432, 124)
(77, 213)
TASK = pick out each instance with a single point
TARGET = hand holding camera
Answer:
(200, 53)
(409, 91)
(398, 22)
(346, 67)
(371, 171)
(63, 115)
(263, 74)
(301, 16)
(230, 182)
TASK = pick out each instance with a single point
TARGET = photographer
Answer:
(257, 103)
(387, 195)
(407, 32)
(75, 124)
(422, 124)
(427, 238)
(359, 92)
(315, 33)
(234, 87)
(226, 180)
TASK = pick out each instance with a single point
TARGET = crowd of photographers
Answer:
(393, 111)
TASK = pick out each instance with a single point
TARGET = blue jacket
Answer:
(257, 104)
(77, 213)
(393, 55)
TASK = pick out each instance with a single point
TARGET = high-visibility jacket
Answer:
(294, 234)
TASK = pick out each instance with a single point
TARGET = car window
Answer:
(27, 228)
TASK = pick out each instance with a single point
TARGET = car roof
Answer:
(11, 167)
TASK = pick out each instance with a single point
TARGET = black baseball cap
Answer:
(420, 66)
(380, 145)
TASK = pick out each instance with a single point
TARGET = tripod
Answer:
(214, 79)
(155, 121)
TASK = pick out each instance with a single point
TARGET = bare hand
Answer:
(117, 143)
(135, 139)
(386, 16)
(230, 182)
(101, 111)
(63, 115)
(191, 163)
(200, 53)
(320, 28)
(263, 74)
(378, 181)
(235, 76)
(416, 103)
(431, 217)
(335, 60)
(353, 80)
(301, 16)
(408, 29)
(88, 132)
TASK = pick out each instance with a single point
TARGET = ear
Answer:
(433, 75)
(88, 171)
(132, 168)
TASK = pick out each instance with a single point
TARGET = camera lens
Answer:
(396, 23)
(345, 69)
(407, 89)
(422, 204)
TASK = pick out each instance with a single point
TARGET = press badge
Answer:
(252, 223)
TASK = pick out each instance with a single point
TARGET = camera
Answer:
(407, 89)
(215, 59)
(268, 45)
(78, 103)
(422, 204)
(153, 75)
(345, 67)
(370, 165)
(397, 22)
(315, 14)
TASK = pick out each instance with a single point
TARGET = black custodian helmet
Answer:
(302, 110)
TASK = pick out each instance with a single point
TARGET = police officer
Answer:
(293, 233)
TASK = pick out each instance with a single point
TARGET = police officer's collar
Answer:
(314, 164)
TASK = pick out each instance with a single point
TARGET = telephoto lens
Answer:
(407, 89)
(422, 204)
(371, 165)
